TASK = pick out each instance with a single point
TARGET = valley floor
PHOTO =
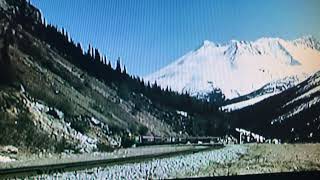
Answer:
(230, 160)
(26, 159)
(269, 158)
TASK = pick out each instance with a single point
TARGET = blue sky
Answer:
(149, 34)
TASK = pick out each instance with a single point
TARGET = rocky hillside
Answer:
(48, 103)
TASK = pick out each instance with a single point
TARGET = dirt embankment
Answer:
(270, 158)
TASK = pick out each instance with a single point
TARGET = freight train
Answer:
(158, 140)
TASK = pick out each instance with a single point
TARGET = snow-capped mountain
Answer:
(240, 67)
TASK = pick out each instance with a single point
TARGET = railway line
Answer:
(70, 166)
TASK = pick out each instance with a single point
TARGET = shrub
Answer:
(102, 147)
(143, 130)
(80, 125)
(21, 132)
(127, 141)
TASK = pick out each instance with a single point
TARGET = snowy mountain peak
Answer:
(308, 42)
(235, 42)
(240, 67)
(208, 43)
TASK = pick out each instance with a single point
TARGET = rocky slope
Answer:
(49, 104)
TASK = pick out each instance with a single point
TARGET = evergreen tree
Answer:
(97, 55)
(89, 50)
(44, 22)
(109, 65)
(118, 66)
(63, 33)
(92, 53)
(124, 70)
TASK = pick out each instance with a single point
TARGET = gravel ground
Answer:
(170, 167)
(23, 160)
(269, 158)
(230, 160)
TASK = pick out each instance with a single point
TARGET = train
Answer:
(158, 140)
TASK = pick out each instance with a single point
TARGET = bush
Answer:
(80, 125)
(115, 129)
(127, 141)
(21, 132)
(102, 147)
(143, 130)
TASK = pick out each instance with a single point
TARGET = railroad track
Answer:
(63, 167)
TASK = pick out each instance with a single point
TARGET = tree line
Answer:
(97, 65)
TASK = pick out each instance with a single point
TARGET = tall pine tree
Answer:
(118, 66)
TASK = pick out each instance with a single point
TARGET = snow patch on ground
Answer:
(298, 109)
(305, 95)
(182, 113)
(4, 159)
(242, 104)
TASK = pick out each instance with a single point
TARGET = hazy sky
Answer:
(149, 34)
